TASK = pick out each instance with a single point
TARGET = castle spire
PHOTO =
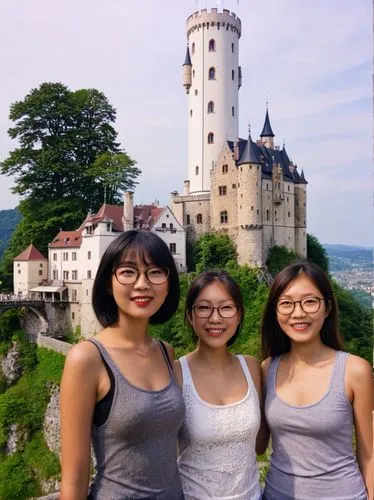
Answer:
(250, 152)
(187, 71)
(267, 130)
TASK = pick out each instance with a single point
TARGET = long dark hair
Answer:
(274, 341)
(207, 278)
(150, 249)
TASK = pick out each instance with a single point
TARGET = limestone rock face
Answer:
(17, 437)
(11, 364)
(51, 424)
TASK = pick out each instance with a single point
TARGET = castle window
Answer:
(74, 295)
(222, 190)
(225, 169)
(234, 186)
(72, 315)
(55, 274)
(199, 219)
(108, 227)
(40, 265)
(258, 212)
(288, 187)
(267, 215)
(196, 91)
(212, 45)
(289, 214)
(89, 274)
(232, 111)
(193, 48)
(173, 247)
(65, 275)
(65, 256)
(193, 73)
(163, 225)
(171, 226)
(89, 255)
(191, 112)
(74, 275)
(188, 219)
(232, 75)
(223, 217)
(55, 256)
(252, 209)
(196, 170)
(267, 187)
(210, 107)
(40, 272)
(232, 48)
(74, 256)
(212, 73)
(210, 138)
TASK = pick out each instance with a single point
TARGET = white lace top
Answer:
(217, 444)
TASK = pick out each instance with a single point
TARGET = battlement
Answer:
(213, 18)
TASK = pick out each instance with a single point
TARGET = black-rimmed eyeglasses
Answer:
(127, 275)
(309, 305)
(225, 310)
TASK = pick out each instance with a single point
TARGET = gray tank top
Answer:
(312, 455)
(136, 448)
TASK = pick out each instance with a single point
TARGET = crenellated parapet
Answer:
(214, 19)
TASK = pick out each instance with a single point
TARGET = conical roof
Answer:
(250, 154)
(267, 130)
(31, 253)
(187, 60)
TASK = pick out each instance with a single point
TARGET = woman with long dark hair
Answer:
(118, 389)
(316, 395)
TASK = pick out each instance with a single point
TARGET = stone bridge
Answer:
(43, 315)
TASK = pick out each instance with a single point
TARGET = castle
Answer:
(248, 189)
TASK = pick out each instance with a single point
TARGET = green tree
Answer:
(213, 250)
(67, 161)
(279, 257)
(316, 252)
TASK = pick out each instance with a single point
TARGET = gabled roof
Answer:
(114, 212)
(30, 253)
(187, 60)
(67, 239)
(146, 215)
(267, 130)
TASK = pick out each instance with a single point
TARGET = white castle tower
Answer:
(212, 78)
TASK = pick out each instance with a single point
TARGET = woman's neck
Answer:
(308, 353)
(213, 358)
(130, 331)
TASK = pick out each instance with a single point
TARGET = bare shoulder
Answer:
(83, 356)
(358, 369)
(252, 363)
(178, 372)
(170, 350)
(265, 366)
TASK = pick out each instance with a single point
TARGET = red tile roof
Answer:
(31, 253)
(114, 212)
(67, 239)
(146, 215)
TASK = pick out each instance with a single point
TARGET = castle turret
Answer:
(187, 72)
(213, 40)
(128, 211)
(300, 213)
(267, 135)
(249, 199)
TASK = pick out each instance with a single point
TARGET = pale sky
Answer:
(311, 59)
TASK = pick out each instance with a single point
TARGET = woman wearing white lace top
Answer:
(221, 391)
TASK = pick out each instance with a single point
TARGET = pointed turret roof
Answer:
(302, 177)
(267, 130)
(249, 154)
(187, 60)
(31, 253)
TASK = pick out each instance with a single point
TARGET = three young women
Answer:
(118, 388)
(221, 391)
(316, 395)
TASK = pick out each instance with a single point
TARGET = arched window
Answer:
(210, 107)
(212, 45)
(210, 138)
(190, 112)
(212, 73)
(193, 48)
(199, 218)
(232, 74)
(196, 170)
(223, 217)
(193, 73)
(232, 48)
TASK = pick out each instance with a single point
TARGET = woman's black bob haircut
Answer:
(151, 250)
(274, 341)
(202, 281)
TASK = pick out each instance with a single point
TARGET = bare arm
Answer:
(263, 435)
(360, 382)
(78, 397)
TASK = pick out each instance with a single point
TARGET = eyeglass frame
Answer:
(139, 272)
(300, 302)
(218, 310)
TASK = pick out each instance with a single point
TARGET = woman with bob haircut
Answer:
(221, 391)
(315, 395)
(118, 388)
